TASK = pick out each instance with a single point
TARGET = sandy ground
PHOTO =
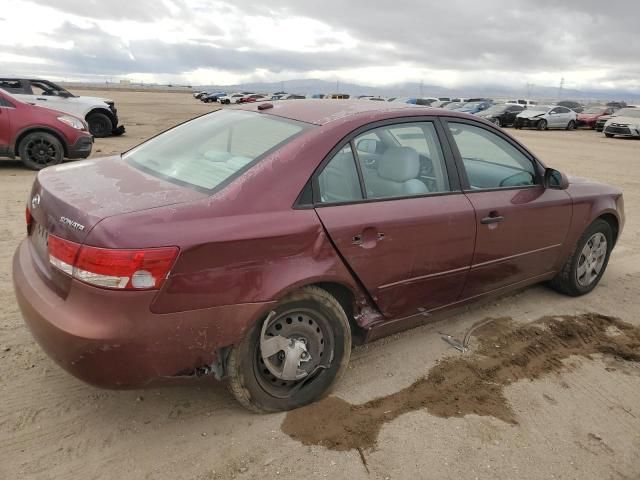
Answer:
(580, 421)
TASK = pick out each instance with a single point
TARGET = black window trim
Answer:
(464, 179)
(451, 168)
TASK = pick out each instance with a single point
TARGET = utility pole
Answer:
(560, 88)
(530, 89)
(337, 86)
(421, 88)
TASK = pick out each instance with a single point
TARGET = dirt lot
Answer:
(572, 413)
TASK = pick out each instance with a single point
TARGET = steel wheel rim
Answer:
(591, 260)
(42, 152)
(305, 325)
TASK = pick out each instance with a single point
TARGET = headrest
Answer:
(399, 164)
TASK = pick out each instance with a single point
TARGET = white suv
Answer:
(100, 114)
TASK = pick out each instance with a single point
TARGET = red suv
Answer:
(40, 136)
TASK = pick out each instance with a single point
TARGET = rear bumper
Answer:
(81, 149)
(111, 339)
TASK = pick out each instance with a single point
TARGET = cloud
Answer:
(588, 41)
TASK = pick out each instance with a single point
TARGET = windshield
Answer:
(628, 112)
(453, 105)
(594, 110)
(472, 104)
(207, 151)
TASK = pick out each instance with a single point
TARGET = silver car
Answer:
(544, 117)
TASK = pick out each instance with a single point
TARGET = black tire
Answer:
(566, 281)
(497, 122)
(39, 150)
(571, 125)
(251, 382)
(608, 135)
(542, 125)
(100, 124)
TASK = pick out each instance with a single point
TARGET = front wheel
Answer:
(542, 125)
(588, 261)
(608, 135)
(497, 122)
(293, 356)
(99, 125)
(39, 150)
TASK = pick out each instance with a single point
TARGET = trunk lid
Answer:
(69, 200)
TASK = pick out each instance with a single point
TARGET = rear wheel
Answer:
(542, 125)
(294, 356)
(588, 261)
(39, 150)
(571, 125)
(99, 124)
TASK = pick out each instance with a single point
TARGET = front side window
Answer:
(489, 160)
(402, 160)
(205, 152)
(339, 180)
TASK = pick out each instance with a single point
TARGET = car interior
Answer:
(395, 161)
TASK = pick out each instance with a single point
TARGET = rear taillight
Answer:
(142, 269)
(29, 219)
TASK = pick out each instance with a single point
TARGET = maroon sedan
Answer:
(39, 136)
(590, 116)
(256, 243)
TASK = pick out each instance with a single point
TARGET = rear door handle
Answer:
(40, 98)
(492, 218)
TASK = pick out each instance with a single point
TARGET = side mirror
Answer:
(368, 145)
(555, 179)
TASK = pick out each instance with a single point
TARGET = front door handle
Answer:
(40, 98)
(493, 217)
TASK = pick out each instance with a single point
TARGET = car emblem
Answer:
(35, 201)
(71, 223)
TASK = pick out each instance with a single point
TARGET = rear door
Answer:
(5, 125)
(521, 225)
(392, 206)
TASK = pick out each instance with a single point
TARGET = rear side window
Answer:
(12, 86)
(339, 180)
(402, 160)
(489, 160)
(211, 149)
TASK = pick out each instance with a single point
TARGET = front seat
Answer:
(396, 176)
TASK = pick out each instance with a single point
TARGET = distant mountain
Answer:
(414, 89)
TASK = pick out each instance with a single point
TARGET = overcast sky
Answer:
(591, 43)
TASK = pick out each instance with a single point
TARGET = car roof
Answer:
(321, 112)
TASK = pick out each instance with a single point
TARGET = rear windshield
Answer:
(211, 149)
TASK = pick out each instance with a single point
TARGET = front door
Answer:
(521, 225)
(388, 205)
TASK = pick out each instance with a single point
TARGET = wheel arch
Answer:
(613, 222)
(42, 129)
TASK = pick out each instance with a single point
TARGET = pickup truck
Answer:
(100, 114)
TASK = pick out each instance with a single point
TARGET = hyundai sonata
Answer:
(257, 243)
